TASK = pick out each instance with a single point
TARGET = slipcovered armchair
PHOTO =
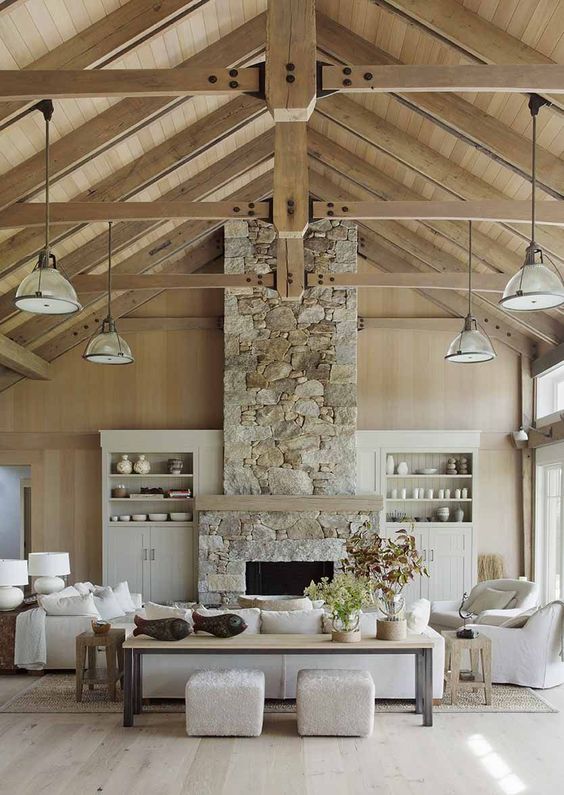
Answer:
(444, 614)
(531, 655)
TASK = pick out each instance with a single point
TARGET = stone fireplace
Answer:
(290, 412)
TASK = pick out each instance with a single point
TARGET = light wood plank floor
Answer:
(463, 754)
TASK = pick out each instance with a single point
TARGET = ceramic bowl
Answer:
(100, 627)
(428, 471)
(158, 517)
(125, 518)
(180, 517)
(139, 517)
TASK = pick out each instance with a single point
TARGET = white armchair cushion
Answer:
(418, 615)
(292, 622)
(489, 599)
(121, 592)
(518, 621)
(82, 605)
(107, 603)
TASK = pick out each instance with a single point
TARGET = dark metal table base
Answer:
(133, 673)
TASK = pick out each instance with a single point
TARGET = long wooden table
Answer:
(135, 648)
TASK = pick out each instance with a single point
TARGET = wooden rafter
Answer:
(24, 362)
(170, 281)
(483, 283)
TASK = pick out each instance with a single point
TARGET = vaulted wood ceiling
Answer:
(362, 146)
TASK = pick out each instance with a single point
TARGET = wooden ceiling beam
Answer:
(21, 85)
(425, 161)
(33, 214)
(507, 211)
(201, 185)
(124, 118)
(484, 283)
(145, 170)
(24, 362)
(467, 32)
(457, 116)
(375, 78)
(174, 281)
(107, 39)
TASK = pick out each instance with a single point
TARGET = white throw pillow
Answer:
(107, 604)
(418, 616)
(154, 611)
(84, 587)
(518, 622)
(82, 605)
(250, 615)
(490, 599)
(70, 590)
(291, 622)
(121, 592)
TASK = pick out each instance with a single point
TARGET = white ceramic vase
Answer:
(124, 466)
(403, 469)
(390, 465)
(142, 466)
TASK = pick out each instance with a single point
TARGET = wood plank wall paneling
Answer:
(177, 382)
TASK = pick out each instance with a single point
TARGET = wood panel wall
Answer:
(176, 382)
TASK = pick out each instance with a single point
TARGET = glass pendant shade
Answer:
(471, 345)
(45, 291)
(107, 347)
(534, 286)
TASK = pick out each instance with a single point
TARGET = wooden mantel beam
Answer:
(377, 78)
(22, 361)
(59, 84)
(518, 212)
(33, 213)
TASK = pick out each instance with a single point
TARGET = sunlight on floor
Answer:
(498, 769)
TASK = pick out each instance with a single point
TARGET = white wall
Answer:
(10, 510)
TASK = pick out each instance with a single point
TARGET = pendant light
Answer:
(535, 286)
(46, 291)
(106, 346)
(472, 344)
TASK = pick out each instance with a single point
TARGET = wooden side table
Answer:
(480, 648)
(113, 643)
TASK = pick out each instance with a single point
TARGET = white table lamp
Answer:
(47, 567)
(12, 573)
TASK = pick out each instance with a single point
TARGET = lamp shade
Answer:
(48, 564)
(107, 347)
(533, 287)
(470, 345)
(45, 291)
(13, 572)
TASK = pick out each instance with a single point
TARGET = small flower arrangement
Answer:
(344, 596)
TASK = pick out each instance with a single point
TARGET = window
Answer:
(549, 545)
(550, 395)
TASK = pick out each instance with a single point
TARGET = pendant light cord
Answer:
(469, 267)
(534, 177)
(47, 185)
(110, 271)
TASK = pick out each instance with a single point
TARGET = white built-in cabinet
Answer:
(449, 548)
(158, 559)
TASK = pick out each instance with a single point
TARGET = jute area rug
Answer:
(56, 693)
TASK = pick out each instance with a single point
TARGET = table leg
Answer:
(487, 673)
(92, 652)
(138, 683)
(111, 672)
(80, 662)
(455, 662)
(419, 681)
(428, 689)
(128, 691)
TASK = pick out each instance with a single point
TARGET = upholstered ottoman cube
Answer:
(335, 702)
(225, 703)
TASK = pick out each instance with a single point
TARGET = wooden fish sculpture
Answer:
(226, 625)
(162, 628)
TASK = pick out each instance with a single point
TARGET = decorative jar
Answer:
(124, 465)
(142, 466)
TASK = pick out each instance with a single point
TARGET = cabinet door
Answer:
(450, 562)
(417, 588)
(172, 564)
(127, 557)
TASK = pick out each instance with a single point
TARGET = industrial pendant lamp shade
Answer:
(472, 344)
(535, 286)
(46, 291)
(106, 346)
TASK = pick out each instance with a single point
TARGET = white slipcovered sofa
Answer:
(165, 676)
(444, 614)
(531, 655)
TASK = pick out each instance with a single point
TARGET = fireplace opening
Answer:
(285, 578)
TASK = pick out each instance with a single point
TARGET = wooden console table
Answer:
(135, 648)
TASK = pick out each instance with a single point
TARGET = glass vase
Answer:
(346, 630)
(393, 607)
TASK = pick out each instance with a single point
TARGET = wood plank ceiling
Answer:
(390, 146)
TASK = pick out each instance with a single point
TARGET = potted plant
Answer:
(389, 564)
(344, 596)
